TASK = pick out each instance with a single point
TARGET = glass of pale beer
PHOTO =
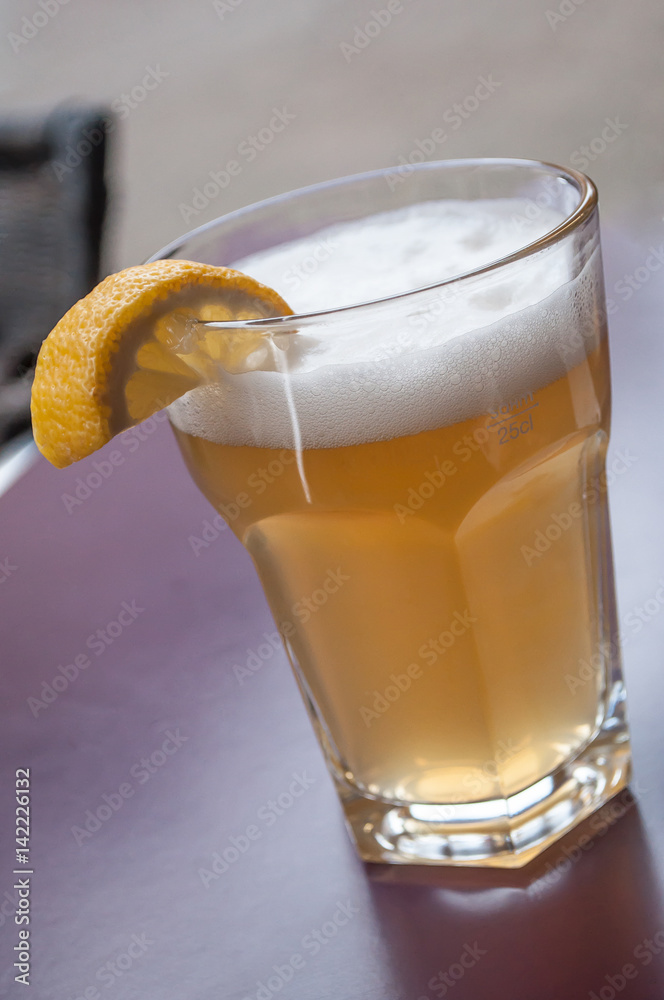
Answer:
(415, 461)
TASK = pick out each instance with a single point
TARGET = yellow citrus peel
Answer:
(136, 343)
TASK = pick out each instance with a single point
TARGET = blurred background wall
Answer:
(298, 91)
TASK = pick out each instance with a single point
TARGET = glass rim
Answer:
(588, 201)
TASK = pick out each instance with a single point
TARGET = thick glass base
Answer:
(500, 833)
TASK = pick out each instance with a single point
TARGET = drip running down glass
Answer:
(415, 462)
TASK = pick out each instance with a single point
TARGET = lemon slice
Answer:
(134, 344)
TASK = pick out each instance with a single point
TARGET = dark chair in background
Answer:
(52, 211)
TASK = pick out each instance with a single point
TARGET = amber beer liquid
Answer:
(458, 552)
(439, 588)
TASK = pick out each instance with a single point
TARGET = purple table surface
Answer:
(149, 759)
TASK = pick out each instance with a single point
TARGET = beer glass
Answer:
(419, 478)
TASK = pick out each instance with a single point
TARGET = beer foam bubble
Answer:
(417, 362)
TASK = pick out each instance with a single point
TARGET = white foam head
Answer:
(417, 362)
